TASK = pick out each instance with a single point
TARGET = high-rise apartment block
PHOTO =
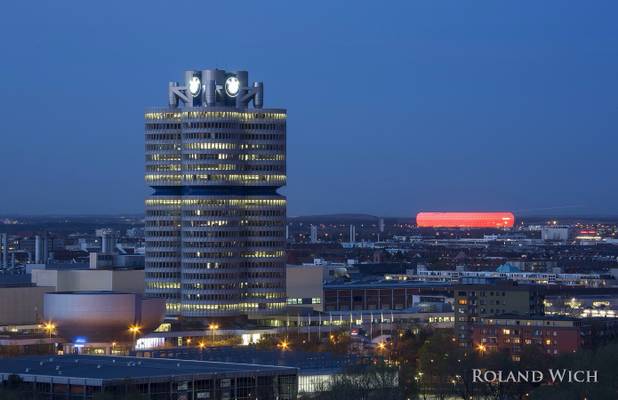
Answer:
(474, 301)
(215, 224)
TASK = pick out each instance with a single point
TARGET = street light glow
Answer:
(49, 327)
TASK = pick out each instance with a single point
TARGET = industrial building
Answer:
(215, 224)
(62, 377)
(21, 303)
(381, 295)
(554, 233)
(71, 279)
(315, 369)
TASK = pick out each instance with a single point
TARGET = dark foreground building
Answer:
(81, 377)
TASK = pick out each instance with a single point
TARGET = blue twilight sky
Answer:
(394, 107)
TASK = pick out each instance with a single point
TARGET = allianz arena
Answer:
(494, 220)
(101, 316)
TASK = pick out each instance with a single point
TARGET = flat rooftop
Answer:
(387, 284)
(118, 368)
(533, 317)
(15, 280)
(303, 360)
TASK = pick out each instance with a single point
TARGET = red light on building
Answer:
(465, 220)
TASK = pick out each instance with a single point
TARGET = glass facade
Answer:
(252, 387)
(215, 224)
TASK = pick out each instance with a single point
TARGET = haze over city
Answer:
(392, 109)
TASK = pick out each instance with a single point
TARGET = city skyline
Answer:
(389, 114)
(294, 201)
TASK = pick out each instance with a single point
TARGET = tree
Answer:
(405, 354)
(362, 382)
(439, 366)
(604, 360)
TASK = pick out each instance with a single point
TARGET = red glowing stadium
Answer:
(465, 220)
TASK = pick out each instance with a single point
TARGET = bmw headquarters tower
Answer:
(215, 224)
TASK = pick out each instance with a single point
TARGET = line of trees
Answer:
(446, 371)
(431, 366)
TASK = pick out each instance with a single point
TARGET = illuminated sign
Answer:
(195, 86)
(232, 86)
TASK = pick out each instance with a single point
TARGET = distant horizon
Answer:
(321, 215)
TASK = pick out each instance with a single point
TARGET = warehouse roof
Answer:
(113, 368)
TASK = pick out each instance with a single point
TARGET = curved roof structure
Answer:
(465, 219)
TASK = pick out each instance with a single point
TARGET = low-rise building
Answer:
(379, 295)
(476, 301)
(63, 377)
(512, 273)
(71, 280)
(554, 233)
(21, 303)
(553, 334)
(316, 370)
(304, 286)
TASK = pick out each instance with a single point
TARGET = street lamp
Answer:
(284, 345)
(50, 327)
(135, 330)
(213, 327)
(481, 348)
(201, 346)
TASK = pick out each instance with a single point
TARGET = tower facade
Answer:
(215, 224)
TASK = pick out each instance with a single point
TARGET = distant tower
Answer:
(38, 249)
(381, 225)
(41, 249)
(5, 250)
(352, 234)
(108, 240)
(46, 248)
(314, 234)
